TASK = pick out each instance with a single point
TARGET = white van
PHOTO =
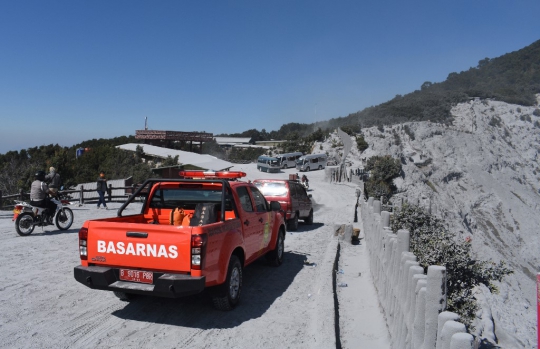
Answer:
(289, 159)
(268, 164)
(311, 162)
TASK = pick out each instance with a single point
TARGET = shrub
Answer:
(536, 112)
(361, 143)
(495, 121)
(433, 244)
(377, 189)
(525, 117)
(383, 168)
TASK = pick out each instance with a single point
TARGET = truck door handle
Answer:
(133, 234)
(246, 222)
(260, 220)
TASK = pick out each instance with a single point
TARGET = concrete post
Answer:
(449, 329)
(385, 218)
(443, 318)
(404, 237)
(462, 341)
(419, 326)
(435, 303)
(370, 201)
(376, 206)
(408, 260)
(406, 329)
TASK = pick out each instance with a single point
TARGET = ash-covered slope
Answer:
(482, 175)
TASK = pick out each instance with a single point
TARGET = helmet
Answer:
(40, 175)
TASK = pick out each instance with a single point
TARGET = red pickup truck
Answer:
(152, 253)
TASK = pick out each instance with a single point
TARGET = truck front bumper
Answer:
(164, 284)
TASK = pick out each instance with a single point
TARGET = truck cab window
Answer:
(260, 201)
(245, 199)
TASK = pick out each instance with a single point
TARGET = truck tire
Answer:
(226, 296)
(123, 296)
(309, 219)
(307, 169)
(275, 257)
(292, 224)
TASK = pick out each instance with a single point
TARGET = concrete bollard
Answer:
(376, 206)
(420, 283)
(462, 341)
(385, 218)
(419, 326)
(443, 318)
(408, 260)
(404, 238)
(370, 201)
(449, 329)
(435, 303)
(410, 296)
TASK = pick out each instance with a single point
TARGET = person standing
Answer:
(101, 187)
(54, 181)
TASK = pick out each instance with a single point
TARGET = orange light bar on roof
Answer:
(212, 174)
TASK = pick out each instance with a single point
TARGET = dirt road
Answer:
(292, 306)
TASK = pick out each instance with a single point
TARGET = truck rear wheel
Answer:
(226, 296)
(275, 257)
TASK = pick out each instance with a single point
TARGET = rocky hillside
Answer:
(482, 175)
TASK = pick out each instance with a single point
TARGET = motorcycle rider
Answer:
(39, 195)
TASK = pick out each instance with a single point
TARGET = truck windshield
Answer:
(272, 188)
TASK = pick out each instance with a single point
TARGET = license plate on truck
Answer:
(146, 277)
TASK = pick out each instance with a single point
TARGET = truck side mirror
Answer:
(275, 206)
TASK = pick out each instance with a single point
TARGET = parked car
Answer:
(293, 198)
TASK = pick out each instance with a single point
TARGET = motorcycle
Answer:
(27, 217)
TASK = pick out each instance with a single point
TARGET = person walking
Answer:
(54, 181)
(101, 187)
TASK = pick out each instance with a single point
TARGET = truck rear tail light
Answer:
(198, 250)
(83, 241)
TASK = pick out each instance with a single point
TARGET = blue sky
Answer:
(76, 70)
